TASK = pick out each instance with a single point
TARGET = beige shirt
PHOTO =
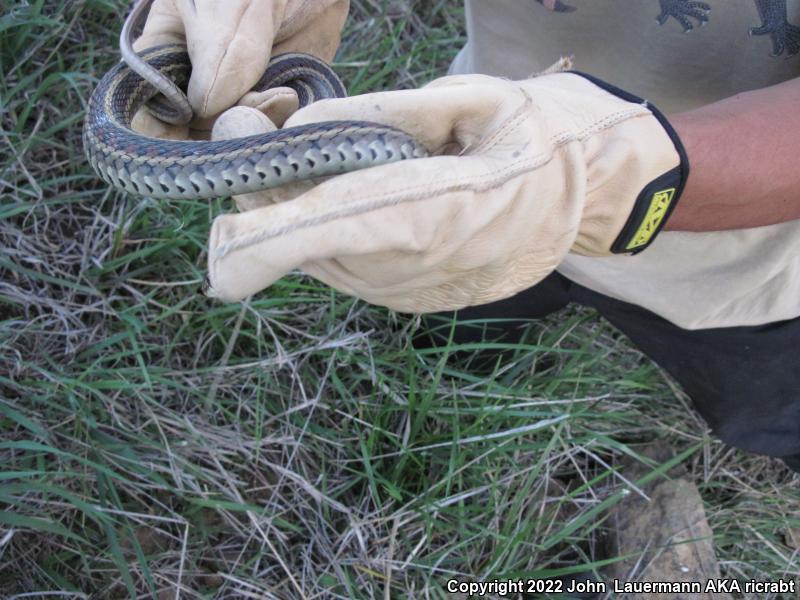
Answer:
(695, 280)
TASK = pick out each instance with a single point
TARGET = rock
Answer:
(668, 538)
(791, 535)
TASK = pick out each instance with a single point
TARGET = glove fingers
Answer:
(277, 103)
(229, 44)
(317, 34)
(438, 116)
(146, 124)
(397, 211)
(164, 26)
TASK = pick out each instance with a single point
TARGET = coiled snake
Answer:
(207, 169)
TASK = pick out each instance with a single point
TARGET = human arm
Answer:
(745, 157)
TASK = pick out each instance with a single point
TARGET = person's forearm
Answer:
(744, 153)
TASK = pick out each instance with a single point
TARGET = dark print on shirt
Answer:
(774, 23)
(556, 5)
(691, 13)
(683, 11)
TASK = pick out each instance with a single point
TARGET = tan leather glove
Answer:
(230, 43)
(527, 172)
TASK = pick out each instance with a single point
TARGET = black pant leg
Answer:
(745, 381)
(510, 316)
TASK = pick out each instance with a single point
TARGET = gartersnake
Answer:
(207, 169)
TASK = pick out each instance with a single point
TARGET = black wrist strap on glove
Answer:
(658, 198)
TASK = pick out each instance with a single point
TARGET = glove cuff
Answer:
(658, 198)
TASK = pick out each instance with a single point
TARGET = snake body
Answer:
(207, 169)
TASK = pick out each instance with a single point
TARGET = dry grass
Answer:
(156, 443)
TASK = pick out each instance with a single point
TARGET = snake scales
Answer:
(207, 169)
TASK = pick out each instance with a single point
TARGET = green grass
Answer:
(156, 442)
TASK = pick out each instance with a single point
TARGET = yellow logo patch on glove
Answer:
(656, 213)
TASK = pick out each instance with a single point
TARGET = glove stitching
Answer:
(522, 112)
(481, 288)
(480, 182)
(611, 120)
(505, 129)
